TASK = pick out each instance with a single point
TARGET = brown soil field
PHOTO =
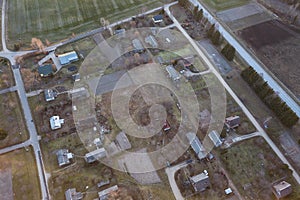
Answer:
(277, 46)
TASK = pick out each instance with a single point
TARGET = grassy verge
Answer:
(24, 173)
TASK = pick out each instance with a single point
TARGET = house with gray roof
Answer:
(196, 145)
(105, 193)
(173, 74)
(71, 194)
(151, 41)
(67, 58)
(49, 94)
(95, 155)
(200, 182)
(215, 138)
(64, 157)
(138, 46)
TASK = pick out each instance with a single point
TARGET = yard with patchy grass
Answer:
(22, 175)
(57, 20)
(12, 120)
(254, 167)
(6, 75)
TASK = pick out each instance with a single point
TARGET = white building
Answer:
(55, 122)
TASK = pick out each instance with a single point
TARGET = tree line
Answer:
(284, 113)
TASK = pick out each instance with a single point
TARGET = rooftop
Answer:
(173, 73)
(55, 122)
(49, 94)
(45, 70)
(137, 45)
(215, 138)
(151, 41)
(63, 157)
(104, 193)
(71, 194)
(196, 145)
(95, 155)
(158, 18)
(123, 141)
(67, 58)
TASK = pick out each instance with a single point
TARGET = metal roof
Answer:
(173, 73)
(68, 58)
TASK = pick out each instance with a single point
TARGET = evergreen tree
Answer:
(195, 12)
(216, 38)
(210, 31)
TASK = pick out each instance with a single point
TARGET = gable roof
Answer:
(45, 70)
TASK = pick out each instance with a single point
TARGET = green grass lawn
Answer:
(24, 173)
(219, 5)
(58, 19)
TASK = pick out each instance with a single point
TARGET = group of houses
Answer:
(64, 59)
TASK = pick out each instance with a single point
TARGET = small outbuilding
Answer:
(56, 122)
(282, 189)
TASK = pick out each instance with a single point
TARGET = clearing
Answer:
(25, 182)
(6, 75)
(12, 120)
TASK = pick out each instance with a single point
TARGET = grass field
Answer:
(58, 19)
(253, 165)
(12, 120)
(219, 5)
(22, 167)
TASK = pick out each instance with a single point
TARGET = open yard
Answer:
(223, 5)
(276, 45)
(19, 174)
(253, 167)
(57, 20)
(6, 75)
(12, 121)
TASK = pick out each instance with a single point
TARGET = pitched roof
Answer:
(94, 155)
(158, 18)
(67, 58)
(49, 94)
(45, 70)
(215, 138)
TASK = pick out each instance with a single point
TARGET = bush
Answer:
(3, 134)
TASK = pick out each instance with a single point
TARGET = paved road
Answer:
(15, 147)
(11, 89)
(170, 171)
(234, 96)
(251, 60)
